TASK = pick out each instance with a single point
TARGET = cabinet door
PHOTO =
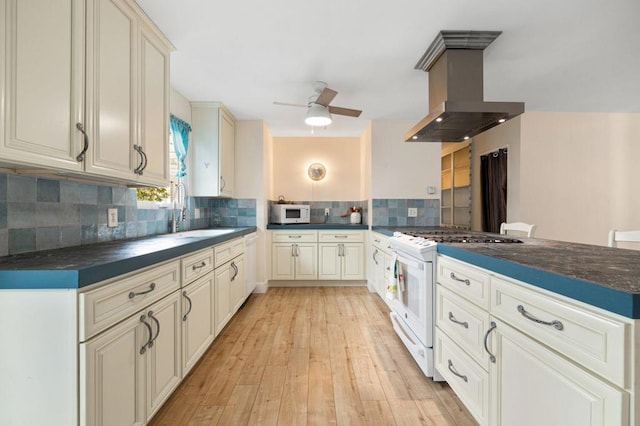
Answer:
(352, 261)
(111, 88)
(282, 262)
(154, 108)
(306, 261)
(227, 154)
(164, 366)
(329, 257)
(238, 285)
(42, 54)
(532, 386)
(377, 258)
(198, 320)
(222, 284)
(112, 386)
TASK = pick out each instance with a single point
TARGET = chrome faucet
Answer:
(178, 198)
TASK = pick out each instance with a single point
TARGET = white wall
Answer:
(580, 174)
(252, 168)
(179, 106)
(402, 169)
(340, 156)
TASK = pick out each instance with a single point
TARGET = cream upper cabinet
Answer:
(86, 88)
(42, 79)
(212, 150)
(127, 95)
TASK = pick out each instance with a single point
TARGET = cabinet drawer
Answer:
(103, 307)
(467, 379)
(381, 242)
(587, 335)
(294, 236)
(340, 236)
(464, 322)
(196, 265)
(226, 251)
(467, 281)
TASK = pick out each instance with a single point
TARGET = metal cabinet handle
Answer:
(341, 236)
(80, 157)
(340, 250)
(223, 183)
(376, 240)
(374, 257)
(150, 314)
(297, 250)
(184, 317)
(143, 349)
(235, 271)
(452, 369)
(144, 161)
(138, 149)
(133, 294)
(466, 281)
(293, 250)
(555, 323)
(492, 357)
(295, 236)
(201, 265)
(454, 320)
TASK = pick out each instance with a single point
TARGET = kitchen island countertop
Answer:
(605, 277)
(80, 266)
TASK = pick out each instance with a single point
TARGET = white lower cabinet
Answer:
(518, 355)
(294, 255)
(317, 255)
(230, 287)
(198, 320)
(380, 260)
(130, 370)
(533, 385)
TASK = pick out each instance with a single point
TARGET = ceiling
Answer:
(570, 55)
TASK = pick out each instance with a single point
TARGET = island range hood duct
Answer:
(457, 110)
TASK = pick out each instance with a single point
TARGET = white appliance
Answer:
(250, 261)
(413, 308)
(290, 213)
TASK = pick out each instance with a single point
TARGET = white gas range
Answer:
(413, 307)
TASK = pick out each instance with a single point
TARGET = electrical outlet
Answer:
(326, 211)
(413, 212)
(196, 213)
(112, 218)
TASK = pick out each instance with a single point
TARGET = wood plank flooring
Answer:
(310, 356)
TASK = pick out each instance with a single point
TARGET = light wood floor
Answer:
(310, 356)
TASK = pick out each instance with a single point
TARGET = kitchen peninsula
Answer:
(515, 321)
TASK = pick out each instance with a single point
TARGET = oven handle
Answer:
(395, 319)
(411, 262)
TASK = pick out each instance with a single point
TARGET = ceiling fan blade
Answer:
(326, 96)
(345, 111)
(288, 104)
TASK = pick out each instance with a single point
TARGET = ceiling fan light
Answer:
(318, 115)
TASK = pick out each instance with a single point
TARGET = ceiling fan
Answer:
(318, 109)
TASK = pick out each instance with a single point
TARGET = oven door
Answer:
(414, 304)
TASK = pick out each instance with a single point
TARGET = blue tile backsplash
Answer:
(43, 213)
(394, 212)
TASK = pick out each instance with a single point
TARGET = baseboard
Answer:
(261, 287)
(318, 283)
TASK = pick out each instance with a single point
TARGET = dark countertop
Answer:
(319, 226)
(80, 266)
(608, 278)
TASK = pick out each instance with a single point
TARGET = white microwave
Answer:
(290, 213)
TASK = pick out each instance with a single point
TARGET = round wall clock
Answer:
(317, 171)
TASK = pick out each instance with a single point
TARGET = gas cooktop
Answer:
(459, 236)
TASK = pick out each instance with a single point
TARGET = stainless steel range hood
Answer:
(457, 110)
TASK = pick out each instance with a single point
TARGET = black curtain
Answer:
(493, 180)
